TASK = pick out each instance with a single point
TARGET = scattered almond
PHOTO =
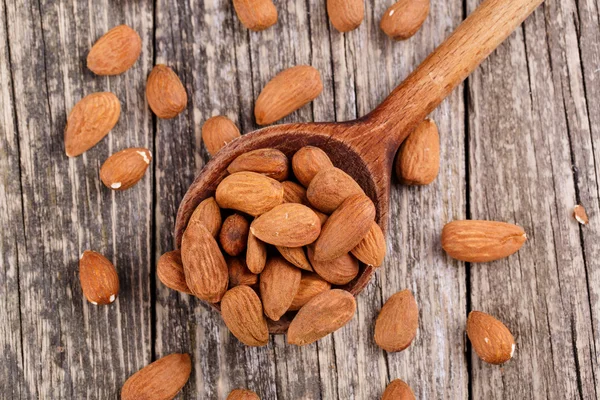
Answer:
(234, 234)
(124, 169)
(279, 283)
(239, 274)
(293, 193)
(580, 215)
(170, 271)
(242, 394)
(208, 214)
(256, 15)
(165, 93)
(308, 162)
(338, 271)
(310, 286)
(270, 162)
(329, 188)
(98, 278)
(296, 256)
(404, 18)
(249, 192)
(418, 161)
(217, 132)
(115, 52)
(490, 338)
(371, 250)
(256, 254)
(397, 323)
(398, 390)
(346, 15)
(287, 225)
(242, 312)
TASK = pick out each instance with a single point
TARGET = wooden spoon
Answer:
(365, 147)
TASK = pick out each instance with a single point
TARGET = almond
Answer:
(307, 162)
(418, 161)
(242, 312)
(404, 18)
(329, 188)
(397, 323)
(371, 250)
(293, 193)
(296, 256)
(279, 283)
(398, 390)
(89, 121)
(323, 314)
(256, 15)
(242, 394)
(165, 93)
(322, 217)
(234, 234)
(208, 214)
(161, 380)
(217, 132)
(205, 268)
(346, 15)
(98, 278)
(170, 271)
(256, 254)
(249, 192)
(490, 338)
(481, 241)
(310, 286)
(338, 271)
(239, 274)
(124, 169)
(115, 52)
(286, 92)
(345, 228)
(578, 213)
(287, 225)
(270, 162)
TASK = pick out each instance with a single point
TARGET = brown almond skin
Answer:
(125, 168)
(217, 132)
(98, 278)
(90, 121)
(397, 323)
(371, 250)
(234, 234)
(115, 52)
(311, 285)
(500, 343)
(308, 162)
(322, 315)
(256, 15)
(481, 241)
(242, 312)
(418, 161)
(206, 272)
(279, 283)
(579, 214)
(287, 225)
(256, 254)
(346, 15)
(161, 380)
(296, 256)
(338, 271)
(345, 228)
(270, 162)
(404, 18)
(165, 93)
(322, 217)
(208, 214)
(239, 274)
(242, 394)
(249, 192)
(294, 193)
(329, 188)
(288, 91)
(170, 271)
(398, 390)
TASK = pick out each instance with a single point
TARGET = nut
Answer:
(239, 274)
(294, 193)
(256, 254)
(397, 323)
(256, 15)
(270, 162)
(296, 256)
(217, 132)
(125, 168)
(208, 214)
(115, 52)
(249, 192)
(287, 225)
(165, 93)
(242, 394)
(398, 390)
(307, 162)
(234, 234)
(346, 15)
(329, 188)
(310, 286)
(98, 278)
(490, 338)
(418, 161)
(338, 271)
(242, 312)
(371, 250)
(580, 215)
(170, 271)
(162, 379)
(404, 18)
(279, 283)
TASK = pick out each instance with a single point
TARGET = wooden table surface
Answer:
(519, 143)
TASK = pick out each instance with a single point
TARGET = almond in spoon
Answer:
(329, 188)
(239, 274)
(338, 271)
(256, 254)
(249, 192)
(170, 271)
(418, 161)
(311, 285)
(234, 234)
(242, 312)
(287, 225)
(270, 162)
(208, 214)
(371, 250)
(279, 283)
(308, 162)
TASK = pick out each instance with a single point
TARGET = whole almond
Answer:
(287, 225)
(279, 283)
(345, 228)
(270, 162)
(249, 192)
(418, 161)
(307, 162)
(338, 271)
(256, 15)
(256, 254)
(404, 18)
(311, 285)
(206, 272)
(161, 380)
(481, 241)
(217, 132)
(578, 213)
(293, 193)
(89, 121)
(323, 314)
(234, 234)
(346, 15)
(371, 250)
(208, 214)
(239, 274)
(490, 338)
(329, 188)
(124, 169)
(170, 271)
(397, 323)
(286, 92)
(165, 93)
(98, 278)
(296, 256)
(398, 390)
(115, 52)
(242, 312)
(242, 394)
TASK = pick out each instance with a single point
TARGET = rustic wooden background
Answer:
(520, 143)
